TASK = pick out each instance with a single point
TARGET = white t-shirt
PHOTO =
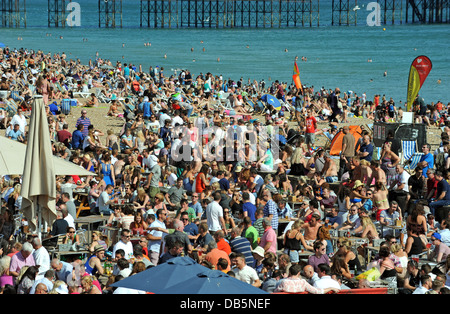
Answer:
(213, 213)
(327, 282)
(259, 183)
(42, 258)
(403, 179)
(127, 247)
(21, 121)
(70, 221)
(177, 120)
(246, 274)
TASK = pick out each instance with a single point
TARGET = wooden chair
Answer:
(84, 204)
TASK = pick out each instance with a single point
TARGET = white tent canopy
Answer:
(12, 160)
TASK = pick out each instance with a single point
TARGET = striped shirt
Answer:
(259, 227)
(86, 122)
(242, 245)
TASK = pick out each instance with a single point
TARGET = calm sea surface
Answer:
(336, 56)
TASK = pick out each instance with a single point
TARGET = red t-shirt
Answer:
(311, 123)
(432, 184)
(63, 136)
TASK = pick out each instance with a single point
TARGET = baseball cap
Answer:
(437, 236)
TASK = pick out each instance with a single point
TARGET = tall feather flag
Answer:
(296, 77)
(420, 68)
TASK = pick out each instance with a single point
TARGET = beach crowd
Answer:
(238, 175)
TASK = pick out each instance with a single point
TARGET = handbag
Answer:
(371, 274)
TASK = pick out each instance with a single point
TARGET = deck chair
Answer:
(11, 107)
(413, 161)
(408, 150)
(376, 153)
(101, 97)
(15, 95)
(410, 157)
(60, 88)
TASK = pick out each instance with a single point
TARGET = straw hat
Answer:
(98, 248)
(358, 183)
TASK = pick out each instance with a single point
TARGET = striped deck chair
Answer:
(408, 150)
(376, 153)
(415, 159)
(410, 157)
(15, 95)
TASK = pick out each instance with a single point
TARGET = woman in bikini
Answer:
(380, 198)
(356, 194)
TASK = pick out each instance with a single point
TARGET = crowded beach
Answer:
(282, 188)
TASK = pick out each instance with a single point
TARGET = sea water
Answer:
(337, 56)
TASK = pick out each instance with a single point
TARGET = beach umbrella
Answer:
(38, 181)
(2, 45)
(271, 100)
(164, 277)
(12, 160)
(214, 282)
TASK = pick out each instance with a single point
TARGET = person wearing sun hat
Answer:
(94, 265)
(357, 184)
(258, 255)
(356, 196)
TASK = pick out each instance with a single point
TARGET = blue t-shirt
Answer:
(147, 110)
(53, 108)
(250, 209)
(14, 135)
(334, 220)
(367, 149)
(126, 71)
(443, 186)
(191, 229)
(77, 139)
(197, 207)
(430, 160)
(224, 184)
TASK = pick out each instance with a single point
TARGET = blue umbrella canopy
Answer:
(271, 100)
(2, 45)
(163, 278)
(214, 282)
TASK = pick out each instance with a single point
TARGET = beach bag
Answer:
(371, 275)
